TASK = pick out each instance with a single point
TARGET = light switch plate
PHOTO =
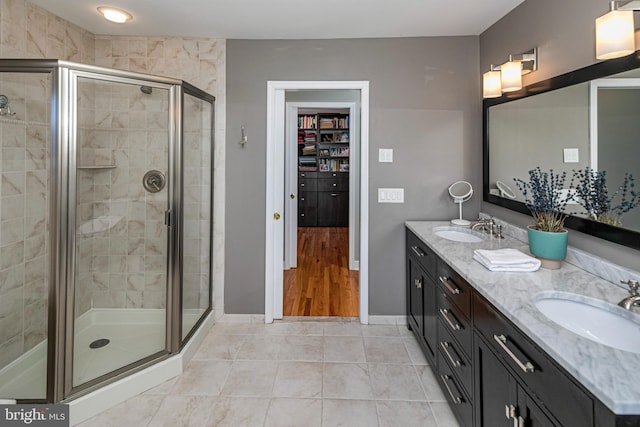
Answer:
(390, 195)
(571, 155)
(385, 155)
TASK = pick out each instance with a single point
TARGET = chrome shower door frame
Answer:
(70, 73)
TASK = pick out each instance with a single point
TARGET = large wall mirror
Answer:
(589, 118)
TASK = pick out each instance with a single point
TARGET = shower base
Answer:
(132, 333)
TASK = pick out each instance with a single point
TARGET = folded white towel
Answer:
(506, 260)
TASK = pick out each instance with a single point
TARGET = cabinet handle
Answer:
(445, 315)
(335, 185)
(334, 175)
(445, 379)
(302, 199)
(417, 251)
(526, 367)
(451, 288)
(445, 347)
(334, 194)
(302, 175)
(418, 283)
(521, 422)
(302, 185)
(511, 412)
(301, 214)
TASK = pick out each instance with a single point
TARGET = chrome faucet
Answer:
(633, 300)
(483, 223)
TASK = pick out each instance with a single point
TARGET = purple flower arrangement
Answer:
(545, 199)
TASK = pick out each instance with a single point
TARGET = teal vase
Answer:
(551, 248)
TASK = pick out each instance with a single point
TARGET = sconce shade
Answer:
(615, 34)
(511, 76)
(491, 85)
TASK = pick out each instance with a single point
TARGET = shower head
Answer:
(146, 90)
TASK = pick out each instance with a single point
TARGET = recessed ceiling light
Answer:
(115, 15)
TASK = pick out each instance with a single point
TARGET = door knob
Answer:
(292, 196)
(276, 216)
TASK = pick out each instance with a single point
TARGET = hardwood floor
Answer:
(322, 285)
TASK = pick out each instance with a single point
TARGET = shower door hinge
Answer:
(167, 218)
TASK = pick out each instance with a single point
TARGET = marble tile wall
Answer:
(200, 62)
(122, 259)
(197, 200)
(27, 31)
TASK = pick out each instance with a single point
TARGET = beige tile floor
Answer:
(299, 374)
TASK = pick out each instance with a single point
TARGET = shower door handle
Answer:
(167, 218)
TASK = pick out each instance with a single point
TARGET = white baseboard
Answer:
(388, 320)
(241, 318)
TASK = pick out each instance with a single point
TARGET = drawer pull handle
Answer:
(335, 185)
(301, 214)
(445, 347)
(334, 194)
(452, 323)
(526, 367)
(417, 251)
(445, 379)
(302, 175)
(418, 283)
(302, 185)
(450, 287)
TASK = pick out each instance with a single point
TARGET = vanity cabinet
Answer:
(491, 372)
(530, 368)
(421, 294)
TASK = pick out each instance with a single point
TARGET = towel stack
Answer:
(506, 260)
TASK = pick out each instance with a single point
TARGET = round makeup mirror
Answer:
(505, 190)
(460, 191)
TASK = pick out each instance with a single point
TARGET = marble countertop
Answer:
(612, 375)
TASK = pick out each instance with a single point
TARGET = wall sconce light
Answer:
(115, 15)
(615, 32)
(508, 76)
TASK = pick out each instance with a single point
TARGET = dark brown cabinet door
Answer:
(333, 209)
(497, 390)
(414, 292)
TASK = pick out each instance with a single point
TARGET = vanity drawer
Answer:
(422, 254)
(569, 404)
(458, 399)
(455, 287)
(456, 323)
(458, 362)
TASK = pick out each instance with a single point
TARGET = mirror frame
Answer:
(621, 236)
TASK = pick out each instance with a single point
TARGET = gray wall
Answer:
(564, 31)
(424, 103)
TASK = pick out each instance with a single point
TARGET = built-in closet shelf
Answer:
(97, 167)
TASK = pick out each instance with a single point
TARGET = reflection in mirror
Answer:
(591, 127)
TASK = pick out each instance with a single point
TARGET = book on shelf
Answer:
(307, 121)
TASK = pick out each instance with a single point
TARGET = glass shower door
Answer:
(121, 239)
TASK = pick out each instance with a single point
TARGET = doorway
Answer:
(275, 185)
(321, 203)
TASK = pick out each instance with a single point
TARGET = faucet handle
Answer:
(634, 285)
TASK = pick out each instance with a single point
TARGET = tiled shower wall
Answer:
(28, 31)
(122, 239)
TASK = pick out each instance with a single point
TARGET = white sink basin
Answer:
(596, 320)
(458, 234)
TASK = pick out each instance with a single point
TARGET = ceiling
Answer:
(287, 19)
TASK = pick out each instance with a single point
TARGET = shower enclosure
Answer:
(105, 224)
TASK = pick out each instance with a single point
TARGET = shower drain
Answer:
(99, 343)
